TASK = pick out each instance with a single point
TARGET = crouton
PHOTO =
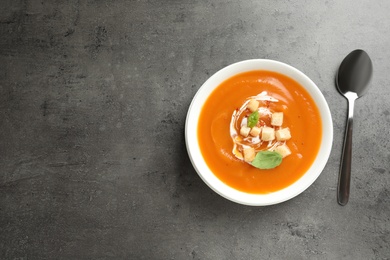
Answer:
(244, 131)
(255, 131)
(267, 134)
(277, 119)
(249, 154)
(283, 134)
(283, 150)
(253, 105)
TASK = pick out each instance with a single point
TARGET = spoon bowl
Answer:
(354, 73)
(352, 80)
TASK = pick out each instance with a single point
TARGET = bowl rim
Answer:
(212, 180)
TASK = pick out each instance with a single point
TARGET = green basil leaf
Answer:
(267, 160)
(253, 119)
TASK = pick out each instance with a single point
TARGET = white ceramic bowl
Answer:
(206, 174)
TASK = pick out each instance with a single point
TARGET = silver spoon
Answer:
(351, 80)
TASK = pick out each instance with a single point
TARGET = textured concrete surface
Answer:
(93, 99)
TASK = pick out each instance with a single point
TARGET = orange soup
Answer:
(301, 116)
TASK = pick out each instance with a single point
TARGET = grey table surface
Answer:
(93, 100)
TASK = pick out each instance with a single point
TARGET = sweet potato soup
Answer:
(241, 118)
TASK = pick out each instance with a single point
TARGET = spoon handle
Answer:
(346, 158)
